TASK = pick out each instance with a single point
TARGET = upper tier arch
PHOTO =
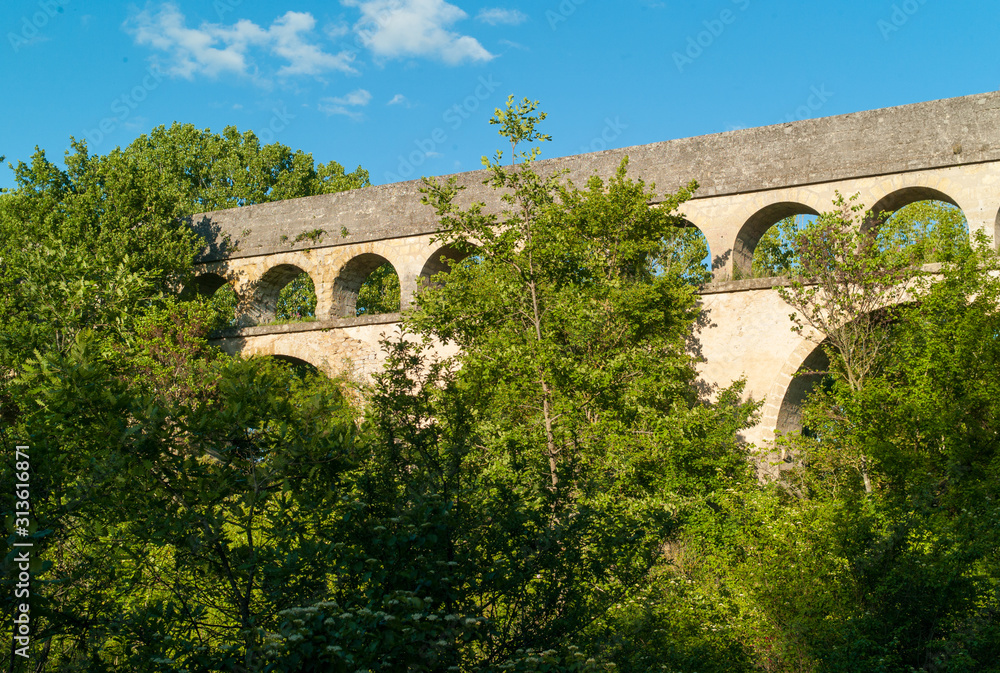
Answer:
(757, 225)
(267, 289)
(900, 198)
(349, 281)
(204, 285)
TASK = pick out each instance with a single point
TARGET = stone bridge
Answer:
(749, 179)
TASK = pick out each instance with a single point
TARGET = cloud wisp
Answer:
(501, 17)
(348, 106)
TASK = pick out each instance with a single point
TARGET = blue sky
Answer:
(405, 88)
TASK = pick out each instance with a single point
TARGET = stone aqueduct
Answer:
(749, 179)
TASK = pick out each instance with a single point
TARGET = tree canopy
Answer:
(112, 383)
(558, 496)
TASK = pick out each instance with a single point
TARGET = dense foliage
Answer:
(556, 497)
(878, 550)
(127, 409)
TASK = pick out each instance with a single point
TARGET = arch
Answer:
(778, 391)
(809, 373)
(204, 285)
(904, 196)
(684, 247)
(922, 222)
(297, 300)
(220, 294)
(756, 226)
(352, 276)
(300, 366)
(441, 261)
(267, 288)
(791, 385)
(996, 231)
(295, 353)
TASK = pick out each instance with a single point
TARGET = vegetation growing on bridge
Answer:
(558, 497)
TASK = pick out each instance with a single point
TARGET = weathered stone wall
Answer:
(953, 132)
(348, 348)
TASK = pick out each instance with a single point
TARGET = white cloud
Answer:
(342, 105)
(191, 51)
(498, 16)
(403, 28)
(303, 58)
(399, 99)
(214, 49)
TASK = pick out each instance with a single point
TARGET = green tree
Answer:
(872, 553)
(130, 413)
(567, 437)
(297, 300)
(380, 292)
(853, 269)
(165, 476)
(894, 569)
(125, 211)
(847, 282)
(775, 254)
